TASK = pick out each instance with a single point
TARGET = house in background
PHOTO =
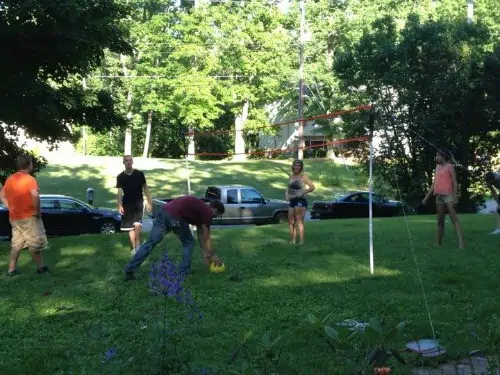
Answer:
(287, 137)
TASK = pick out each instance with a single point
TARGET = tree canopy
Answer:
(45, 47)
(435, 85)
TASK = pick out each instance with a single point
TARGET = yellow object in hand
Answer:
(215, 268)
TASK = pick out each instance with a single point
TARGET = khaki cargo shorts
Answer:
(445, 198)
(28, 233)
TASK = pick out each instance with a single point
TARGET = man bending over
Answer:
(175, 216)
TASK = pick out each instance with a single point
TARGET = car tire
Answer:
(108, 227)
(281, 218)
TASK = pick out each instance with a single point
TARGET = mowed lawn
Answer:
(168, 178)
(65, 322)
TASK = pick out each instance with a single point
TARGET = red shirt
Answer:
(190, 209)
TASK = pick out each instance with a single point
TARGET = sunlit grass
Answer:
(85, 307)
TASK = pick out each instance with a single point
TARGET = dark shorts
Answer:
(299, 202)
(132, 215)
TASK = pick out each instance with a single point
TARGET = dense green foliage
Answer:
(435, 85)
(203, 66)
(46, 47)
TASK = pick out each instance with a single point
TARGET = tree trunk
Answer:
(84, 140)
(84, 127)
(191, 145)
(145, 153)
(239, 141)
(330, 152)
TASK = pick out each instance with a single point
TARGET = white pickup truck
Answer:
(243, 204)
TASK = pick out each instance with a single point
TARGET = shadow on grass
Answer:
(57, 179)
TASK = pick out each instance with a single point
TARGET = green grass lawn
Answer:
(63, 323)
(168, 178)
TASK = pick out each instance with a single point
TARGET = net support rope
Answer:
(305, 120)
(280, 150)
(415, 257)
(410, 237)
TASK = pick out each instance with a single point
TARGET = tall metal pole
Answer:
(300, 153)
(370, 215)
(370, 184)
(188, 176)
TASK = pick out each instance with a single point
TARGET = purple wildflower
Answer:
(110, 353)
(166, 280)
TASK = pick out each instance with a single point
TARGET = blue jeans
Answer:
(163, 224)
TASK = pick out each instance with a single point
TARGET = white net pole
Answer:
(188, 177)
(191, 227)
(370, 215)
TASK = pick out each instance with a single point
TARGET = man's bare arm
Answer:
(36, 201)
(148, 197)
(119, 196)
(3, 198)
(205, 239)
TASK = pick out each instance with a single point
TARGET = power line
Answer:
(171, 77)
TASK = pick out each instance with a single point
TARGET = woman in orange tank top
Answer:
(445, 189)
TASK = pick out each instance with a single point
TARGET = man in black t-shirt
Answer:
(130, 183)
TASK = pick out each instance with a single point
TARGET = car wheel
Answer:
(108, 227)
(281, 218)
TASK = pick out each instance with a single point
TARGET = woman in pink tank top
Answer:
(445, 189)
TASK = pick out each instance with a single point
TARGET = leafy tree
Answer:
(255, 47)
(45, 45)
(435, 83)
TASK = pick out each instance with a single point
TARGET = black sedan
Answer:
(354, 204)
(63, 215)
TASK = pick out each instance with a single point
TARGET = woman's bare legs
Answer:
(291, 224)
(299, 219)
(456, 224)
(441, 213)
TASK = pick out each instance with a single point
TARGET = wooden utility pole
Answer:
(300, 153)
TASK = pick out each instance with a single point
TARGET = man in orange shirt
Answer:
(20, 196)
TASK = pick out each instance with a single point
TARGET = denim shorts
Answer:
(298, 202)
(444, 198)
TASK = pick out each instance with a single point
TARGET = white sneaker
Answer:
(496, 231)
(134, 251)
